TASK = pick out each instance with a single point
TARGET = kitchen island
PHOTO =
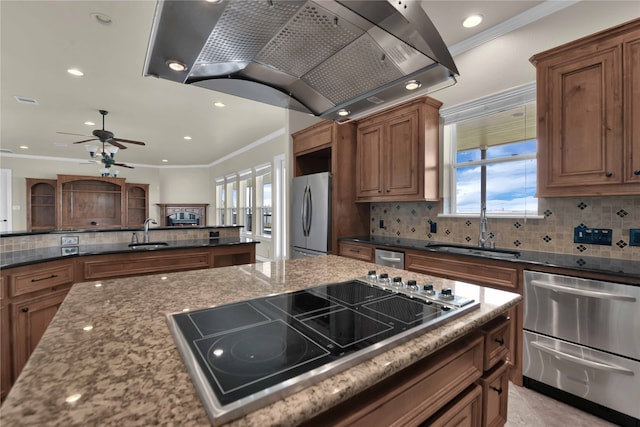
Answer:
(108, 357)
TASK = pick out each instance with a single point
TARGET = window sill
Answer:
(491, 216)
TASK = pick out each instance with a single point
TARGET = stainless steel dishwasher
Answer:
(390, 258)
(582, 343)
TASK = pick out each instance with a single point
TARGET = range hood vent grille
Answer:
(313, 56)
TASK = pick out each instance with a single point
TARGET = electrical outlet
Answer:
(382, 223)
(214, 234)
(592, 236)
(433, 227)
(634, 237)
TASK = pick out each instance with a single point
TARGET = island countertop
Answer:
(126, 370)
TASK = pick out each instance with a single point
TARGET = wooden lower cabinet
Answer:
(30, 318)
(36, 291)
(466, 412)
(495, 395)
(414, 394)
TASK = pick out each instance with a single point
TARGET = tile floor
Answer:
(528, 408)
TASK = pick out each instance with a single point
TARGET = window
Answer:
(246, 201)
(232, 199)
(264, 200)
(220, 201)
(492, 160)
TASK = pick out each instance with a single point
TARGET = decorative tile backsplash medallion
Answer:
(553, 233)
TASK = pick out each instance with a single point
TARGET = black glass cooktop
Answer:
(246, 354)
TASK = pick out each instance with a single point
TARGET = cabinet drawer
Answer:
(361, 252)
(495, 393)
(497, 337)
(37, 279)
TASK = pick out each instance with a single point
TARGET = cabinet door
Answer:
(369, 160)
(401, 160)
(6, 379)
(30, 318)
(631, 54)
(585, 129)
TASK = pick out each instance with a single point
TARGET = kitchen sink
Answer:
(148, 245)
(474, 250)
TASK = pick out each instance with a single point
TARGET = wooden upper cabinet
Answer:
(397, 153)
(91, 202)
(41, 204)
(589, 115)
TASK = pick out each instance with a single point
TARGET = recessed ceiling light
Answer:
(24, 147)
(89, 123)
(101, 18)
(176, 65)
(75, 72)
(213, 1)
(164, 160)
(412, 85)
(219, 104)
(343, 112)
(188, 138)
(472, 21)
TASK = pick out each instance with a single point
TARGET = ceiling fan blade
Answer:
(128, 141)
(123, 165)
(115, 144)
(86, 140)
(76, 134)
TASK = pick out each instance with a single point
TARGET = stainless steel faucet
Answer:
(146, 228)
(482, 237)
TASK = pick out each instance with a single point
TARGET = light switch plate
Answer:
(634, 237)
(592, 236)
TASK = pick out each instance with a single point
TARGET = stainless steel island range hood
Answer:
(338, 60)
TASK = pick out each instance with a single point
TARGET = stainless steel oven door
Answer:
(596, 376)
(598, 314)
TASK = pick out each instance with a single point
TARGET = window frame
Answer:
(477, 108)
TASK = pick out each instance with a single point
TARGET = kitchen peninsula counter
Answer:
(126, 369)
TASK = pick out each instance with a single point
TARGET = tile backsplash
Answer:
(553, 233)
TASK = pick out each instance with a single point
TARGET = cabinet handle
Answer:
(497, 390)
(608, 174)
(636, 172)
(44, 278)
(499, 341)
(25, 309)
(354, 250)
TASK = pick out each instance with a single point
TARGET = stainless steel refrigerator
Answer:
(311, 215)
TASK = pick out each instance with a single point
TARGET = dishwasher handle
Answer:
(389, 259)
(580, 361)
(582, 292)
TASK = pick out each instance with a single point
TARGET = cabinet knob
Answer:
(497, 390)
(636, 172)
(25, 309)
(499, 341)
(608, 174)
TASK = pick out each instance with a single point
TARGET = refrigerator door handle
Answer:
(309, 212)
(304, 210)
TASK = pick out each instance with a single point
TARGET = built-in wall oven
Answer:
(582, 343)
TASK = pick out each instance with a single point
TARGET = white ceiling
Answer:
(40, 40)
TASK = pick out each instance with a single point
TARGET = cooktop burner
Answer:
(244, 355)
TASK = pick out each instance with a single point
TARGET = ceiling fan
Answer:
(106, 137)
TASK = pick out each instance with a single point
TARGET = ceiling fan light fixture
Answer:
(176, 65)
(92, 149)
(412, 85)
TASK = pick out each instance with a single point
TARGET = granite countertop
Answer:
(618, 267)
(33, 256)
(126, 370)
